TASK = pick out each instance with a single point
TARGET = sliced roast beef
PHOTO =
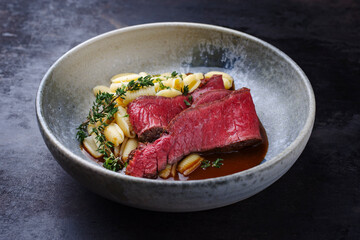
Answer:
(215, 82)
(149, 115)
(210, 96)
(227, 124)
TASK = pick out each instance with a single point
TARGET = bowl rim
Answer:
(303, 134)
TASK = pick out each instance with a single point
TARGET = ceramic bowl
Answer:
(281, 92)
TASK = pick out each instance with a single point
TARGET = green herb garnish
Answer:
(114, 164)
(81, 132)
(102, 111)
(126, 115)
(217, 163)
(186, 103)
(174, 74)
(205, 164)
(162, 86)
(185, 90)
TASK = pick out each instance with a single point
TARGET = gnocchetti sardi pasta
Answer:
(122, 120)
(114, 134)
(193, 81)
(132, 95)
(228, 80)
(168, 93)
(130, 145)
(189, 164)
(91, 147)
(165, 173)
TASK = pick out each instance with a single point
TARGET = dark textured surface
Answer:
(319, 198)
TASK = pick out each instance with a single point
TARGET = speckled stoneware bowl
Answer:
(282, 94)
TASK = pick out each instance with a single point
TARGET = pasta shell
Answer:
(168, 93)
(166, 172)
(130, 145)
(178, 84)
(143, 74)
(228, 80)
(91, 126)
(168, 82)
(123, 121)
(117, 150)
(120, 102)
(189, 164)
(175, 83)
(115, 86)
(193, 81)
(120, 75)
(173, 169)
(114, 134)
(125, 78)
(132, 95)
(121, 150)
(101, 88)
(166, 75)
(227, 83)
(91, 147)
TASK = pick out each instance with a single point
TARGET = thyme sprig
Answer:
(205, 164)
(217, 163)
(185, 90)
(162, 86)
(101, 113)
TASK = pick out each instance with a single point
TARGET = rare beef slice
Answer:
(227, 124)
(150, 115)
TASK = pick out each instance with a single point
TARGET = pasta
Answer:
(122, 120)
(173, 169)
(121, 150)
(166, 172)
(91, 147)
(227, 83)
(130, 145)
(168, 93)
(228, 80)
(125, 78)
(117, 149)
(175, 83)
(143, 74)
(115, 86)
(120, 75)
(189, 164)
(101, 88)
(193, 81)
(130, 96)
(114, 134)
(91, 126)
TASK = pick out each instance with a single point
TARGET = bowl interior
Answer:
(281, 97)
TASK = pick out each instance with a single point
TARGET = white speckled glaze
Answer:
(282, 94)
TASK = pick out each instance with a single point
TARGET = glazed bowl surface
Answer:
(282, 94)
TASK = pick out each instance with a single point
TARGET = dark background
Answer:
(319, 198)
